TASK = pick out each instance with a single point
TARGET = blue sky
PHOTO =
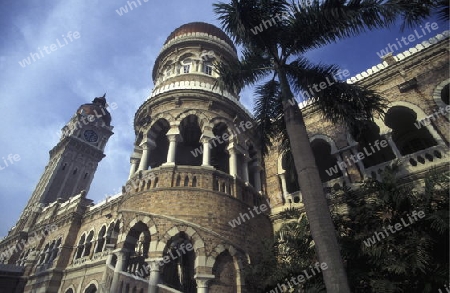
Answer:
(113, 54)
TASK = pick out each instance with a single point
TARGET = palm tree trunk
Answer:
(317, 210)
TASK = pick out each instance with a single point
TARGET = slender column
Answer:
(202, 282)
(105, 272)
(391, 143)
(359, 162)
(134, 165)
(144, 159)
(246, 159)
(257, 176)
(121, 256)
(345, 171)
(173, 139)
(233, 161)
(155, 273)
(206, 151)
(283, 184)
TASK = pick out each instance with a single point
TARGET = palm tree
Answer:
(412, 260)
(277, 50)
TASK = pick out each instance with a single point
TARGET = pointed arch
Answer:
(92, 287)
(405, 132)
(239, 260)
(179, 267)
(203, 120)
(440, 93)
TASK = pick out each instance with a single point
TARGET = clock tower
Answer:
(74, 160)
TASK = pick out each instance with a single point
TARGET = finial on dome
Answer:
(100, 100)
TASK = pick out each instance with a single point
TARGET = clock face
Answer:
(90, 136)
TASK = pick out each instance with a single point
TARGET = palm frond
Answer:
(338, 101)
(240, 17)
(236, 74)
(325, 22)
(266, 112)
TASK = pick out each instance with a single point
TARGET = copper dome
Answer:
(200, 27)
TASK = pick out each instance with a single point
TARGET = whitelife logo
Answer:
(49, 49)
(300, 278)
(225, 137)
(185, 248)
(11, 158)
(398, 226)
(411, 38)
(358, 157)
(124, 9)
(426, 121)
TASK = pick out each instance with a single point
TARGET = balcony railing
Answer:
(413, 163)
(193, 177)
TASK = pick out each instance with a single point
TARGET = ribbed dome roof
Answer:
(200, 27)
(97, 108)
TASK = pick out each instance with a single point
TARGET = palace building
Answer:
(196, 166)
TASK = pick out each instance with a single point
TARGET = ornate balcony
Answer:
(197, 177)
(417, 162)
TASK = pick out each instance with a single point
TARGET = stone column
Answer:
(391, 143)
(202, 282)
(143, 165)
(233, 161)
(345, 171)
(206, 151)
(245, 160)
(120, 266)
(257, 176)
(105, 272)
(173, 139)
(134, 165)
(283, 184)
(153, 280)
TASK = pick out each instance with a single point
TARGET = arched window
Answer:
(23, 257)
(186, 65)
(91, 289)
(325, 161)
(168, 70)
(101, 240)
(112, 233)
(157, 133)
(372, 145)
(80, 247)
(138, 243)
(54, 250)
(179, 272)
(88, 244)
(225, 274)
(190, 132)
(207, 68)
(219, 153)
(43, 254)
(406, 135)
(445, 94)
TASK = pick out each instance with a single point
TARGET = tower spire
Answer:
(74, 160)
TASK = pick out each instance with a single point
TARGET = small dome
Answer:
(200, 27)
(97, 108)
